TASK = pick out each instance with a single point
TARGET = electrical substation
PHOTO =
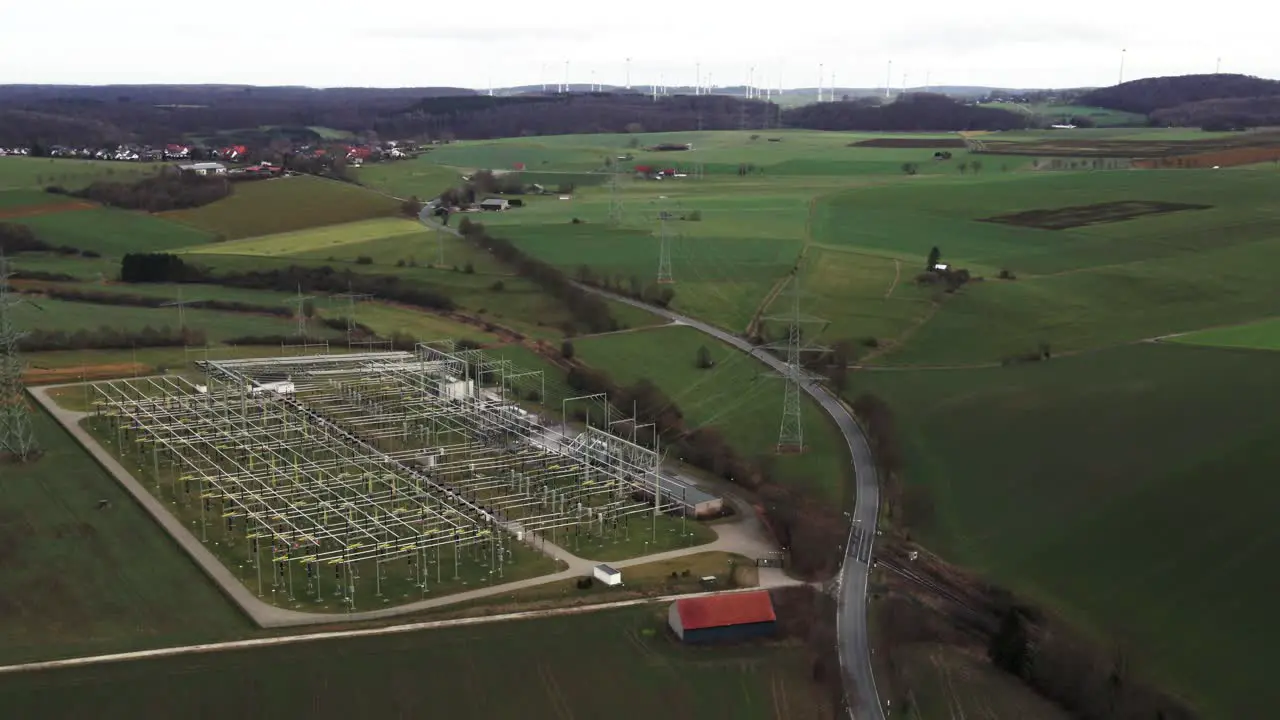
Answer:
(357, 480)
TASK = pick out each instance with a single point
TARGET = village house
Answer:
(205, 168)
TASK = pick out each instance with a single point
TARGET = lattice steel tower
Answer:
(615, 196)
(17, 440)
(664, 248)
(791, 427)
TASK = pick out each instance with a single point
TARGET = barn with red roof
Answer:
(729, 617)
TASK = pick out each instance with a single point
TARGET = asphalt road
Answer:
(855, 654)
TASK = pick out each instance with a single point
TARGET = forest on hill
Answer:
(1219, 101)
(103, 116)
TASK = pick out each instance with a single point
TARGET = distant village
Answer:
(231, 160)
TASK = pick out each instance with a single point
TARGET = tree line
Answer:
(129, 300)
(168, 189)
(167, 268)
(108, 338)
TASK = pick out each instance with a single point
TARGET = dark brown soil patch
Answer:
(1067, 145)
(1082, 215)
(46, 209)
(912, 143)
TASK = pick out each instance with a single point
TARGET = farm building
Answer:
(495, 204)
(606, 575)
(205, 168)
(730, 617)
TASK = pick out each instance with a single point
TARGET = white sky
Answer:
(393, 43)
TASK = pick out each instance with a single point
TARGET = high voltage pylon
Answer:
(791, 427)
(17, 439)
(664, 246)
(352, 298)
(181, 304)
(300, 313)
(615, 195)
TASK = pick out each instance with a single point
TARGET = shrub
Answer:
(498, 286)
(364, 260)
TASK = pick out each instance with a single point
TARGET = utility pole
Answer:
(17, 439)
(791, 427)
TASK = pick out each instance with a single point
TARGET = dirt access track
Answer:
(44, 209)
(1082, 215)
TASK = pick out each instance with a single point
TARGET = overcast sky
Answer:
(391, 43)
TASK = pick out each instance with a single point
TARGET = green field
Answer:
(62, 315)
(318, 240)
(83, 580)
(1187, 270)
(33, 172)
(285, 204)
(16, 199)
(1261, 335)
(616, 664)
(114, 233)
(406, 178)
(798, 153)
(736, 396)
(1086, 482)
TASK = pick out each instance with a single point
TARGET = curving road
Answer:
(855, 655)
(851, 622)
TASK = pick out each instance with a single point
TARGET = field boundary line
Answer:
(897, 273)
(345, 634)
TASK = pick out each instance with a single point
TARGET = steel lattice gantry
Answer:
(347, 458)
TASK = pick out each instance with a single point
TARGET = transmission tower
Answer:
(791, 428)
(181, 304)
(615, 197)
(664, 247)
(17, 440)
(352, 298)
(300, 311)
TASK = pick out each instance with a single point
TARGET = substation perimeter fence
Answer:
(373, 457)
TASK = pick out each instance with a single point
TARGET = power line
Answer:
(17, 439)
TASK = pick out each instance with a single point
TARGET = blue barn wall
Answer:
(730, 633)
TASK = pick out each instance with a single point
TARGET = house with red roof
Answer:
(727, 617)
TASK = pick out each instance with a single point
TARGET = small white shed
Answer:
(607, 575)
